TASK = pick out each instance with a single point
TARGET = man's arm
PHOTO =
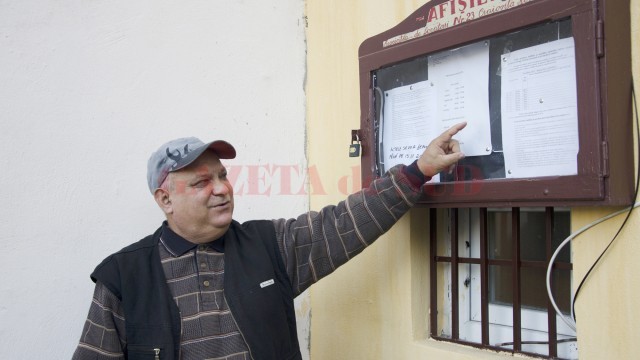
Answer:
(316, 243)
(103, 335)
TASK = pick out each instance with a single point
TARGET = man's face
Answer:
(201, 199)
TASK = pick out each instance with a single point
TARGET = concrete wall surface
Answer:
(88, 89)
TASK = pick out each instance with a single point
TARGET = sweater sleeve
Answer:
(103, 335)
(314, 244)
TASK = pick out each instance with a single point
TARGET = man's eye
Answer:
(201, 183)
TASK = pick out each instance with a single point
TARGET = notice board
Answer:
(545, 93)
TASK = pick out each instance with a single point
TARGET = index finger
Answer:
(450, 132)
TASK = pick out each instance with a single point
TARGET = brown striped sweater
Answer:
(312, 246)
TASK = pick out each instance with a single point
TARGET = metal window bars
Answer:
(516, 264)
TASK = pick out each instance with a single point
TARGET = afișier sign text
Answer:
(452, 13)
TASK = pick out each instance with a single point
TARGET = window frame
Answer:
(518, 316)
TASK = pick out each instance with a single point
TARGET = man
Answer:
(204, 286)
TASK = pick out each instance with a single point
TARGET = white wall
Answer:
(88, 89)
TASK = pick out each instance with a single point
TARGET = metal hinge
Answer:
(599, 38)
(605, 159)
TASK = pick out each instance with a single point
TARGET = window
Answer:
(488, 279)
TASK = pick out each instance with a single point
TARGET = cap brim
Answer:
(223, 150)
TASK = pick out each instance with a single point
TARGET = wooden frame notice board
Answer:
(544, 85)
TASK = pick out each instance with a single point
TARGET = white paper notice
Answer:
(409, 113)
(539, 110)
(462, 79)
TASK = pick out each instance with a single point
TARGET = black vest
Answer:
(256, 284)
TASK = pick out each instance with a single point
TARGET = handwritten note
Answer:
(409, 113)
(539, 110)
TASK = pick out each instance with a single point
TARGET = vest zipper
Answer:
(239, 330)
(181, 333)
(157, 351)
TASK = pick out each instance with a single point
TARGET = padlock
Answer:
(354, 150)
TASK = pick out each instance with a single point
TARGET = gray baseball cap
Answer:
(179, 153)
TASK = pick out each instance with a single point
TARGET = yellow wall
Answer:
(375, 306)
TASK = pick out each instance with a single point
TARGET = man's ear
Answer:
(163, 199)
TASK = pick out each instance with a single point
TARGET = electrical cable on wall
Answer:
(571, 322)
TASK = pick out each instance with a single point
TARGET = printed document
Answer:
(457, 91)
(462, 78)
(539, 110)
